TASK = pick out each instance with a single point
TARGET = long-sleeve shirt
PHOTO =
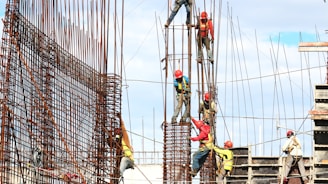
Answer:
(183, 85)
(204, 137)
(227, 157)
(292, 146)
(206, 108)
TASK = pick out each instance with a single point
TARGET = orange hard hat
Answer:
(203, 15)
(207, 96)
(228, 144)
(178, 74)
(289, 133)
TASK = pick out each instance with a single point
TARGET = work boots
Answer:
(193, 172)
(285, 181)
(174, 120)
(166, 25)
(199, 56)
(210, 56)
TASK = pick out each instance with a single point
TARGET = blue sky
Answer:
(260, 25)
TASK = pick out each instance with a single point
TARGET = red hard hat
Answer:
(203, 15)
(289, 133)
(197, 123)
(228, 144)
(178, 74)
(207, 96)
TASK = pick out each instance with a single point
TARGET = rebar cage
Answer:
(58, 115)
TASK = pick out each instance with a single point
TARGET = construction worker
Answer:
(225, 160)
(292, 148)
(177, 6)
(181, 84)
(207, 107)
(204, 27)
(206, 145)
(127, 161)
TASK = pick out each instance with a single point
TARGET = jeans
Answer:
(177, 6)
(126, 163)
(199, 158)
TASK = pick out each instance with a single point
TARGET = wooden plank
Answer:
(313, 47)
(313, 44)
(294, 176)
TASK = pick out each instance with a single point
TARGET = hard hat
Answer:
(178, 74)
(118, 131)
(197, 123)
(228, 144)
(289, 133)
(203, 15)
(207, 96)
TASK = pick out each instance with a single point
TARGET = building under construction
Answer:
(61, 99)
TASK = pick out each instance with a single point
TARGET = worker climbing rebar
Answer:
(224, 160)
(205, 27)
(181, 84)
(205, 145)
(225, 156)
(127, 160)
(208, 109)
